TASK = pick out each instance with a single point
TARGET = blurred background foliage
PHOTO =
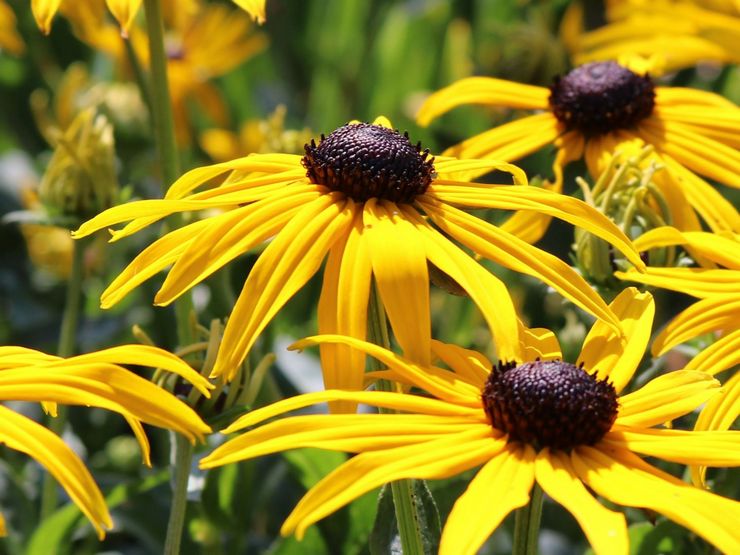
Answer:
(312, 67)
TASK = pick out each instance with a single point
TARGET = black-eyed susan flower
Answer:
(594, 108)
(718, 310)
(540, 419)
(97, 380)
(671, 34)
(375, 206)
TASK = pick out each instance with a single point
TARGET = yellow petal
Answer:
(507, 478)
(24, 435)
(483, 90)
(719, 249)
(719, 356)
(255, 8)
(615, 357)
(465, 362)
(540, 343)
(43, 12)
(666, 397)
(287, 263)
(400, 270)
(140, 435)
(606, 530)
(124, 11)
(463, 169)
(383, 122)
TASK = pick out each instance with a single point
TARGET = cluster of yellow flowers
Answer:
(381, 216)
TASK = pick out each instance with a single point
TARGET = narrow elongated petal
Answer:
(440, 383)
(719, 249)
(704, 316)
(606, 530)
(343, 311)
(507, 250)
(24, 435)
(624, 478)
(463, 169)
(487, 291)
(482, 90)
(502, 485)
(287, 263)
(380, 399)
(666, 397)
(140, 434)
(721, 355)
(434, 459)
(698, 282)
(400, 270)
(465, 362)
(351, 433)
(615, 357)
(124, 11)
(44, 11)
(712, 448)
(566, 208)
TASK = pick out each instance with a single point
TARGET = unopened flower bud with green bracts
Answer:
(80, 180)
(627, 194)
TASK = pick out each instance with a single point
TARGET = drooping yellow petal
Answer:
(486, 91)
(624, 478)
(666, 397)
(615, 357)
(287, 263)
(507, 250)
(502, 485)
(704, 316)
(434, 459)
(141, 438)
(343, 311)
(381, 399)
(440, 383)
(44, 11)
(713, 448)
(124, 11)
(400, 269)
(24, 435)
(487, 291)
(606, 530)
(255, 8)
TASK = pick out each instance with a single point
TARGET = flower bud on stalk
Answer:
(80, 180)
(626, 193)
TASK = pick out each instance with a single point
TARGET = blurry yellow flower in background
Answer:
(123, 10)
(94, 380)
(536, 419)
(255, 8)
(255, 136)
(364, 198)
(590, 112)
(10, 40)
(673, 34)
(718, 310)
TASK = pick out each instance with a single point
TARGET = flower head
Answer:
(96, 380)
(374, 205)
(539, 419)
(592, 111)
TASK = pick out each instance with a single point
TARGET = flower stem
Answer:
(182, 459)
(164, 132)
(407, 516)
(527, 524)
(66, 348)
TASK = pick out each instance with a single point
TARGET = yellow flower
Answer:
(515, 420)
(365, 198)
(96, 380)
(590, 112)
(673, 34)
(255, 8)
(10, 40)
(123, 10)
(718, 310)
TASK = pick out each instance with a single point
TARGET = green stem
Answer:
(66, 348)
(403, 498)
(183, 458)
(527, 524)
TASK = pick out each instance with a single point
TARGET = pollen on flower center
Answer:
(600, 97)
(549, 404)
(365, 161)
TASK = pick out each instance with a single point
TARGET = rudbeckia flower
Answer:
(674, 34)
(594, 108)
(540, 419)
(94, 380)
(717, 310)
(375, 206)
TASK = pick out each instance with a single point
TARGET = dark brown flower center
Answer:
(600, 97)
(549, 404)
(367, 161)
